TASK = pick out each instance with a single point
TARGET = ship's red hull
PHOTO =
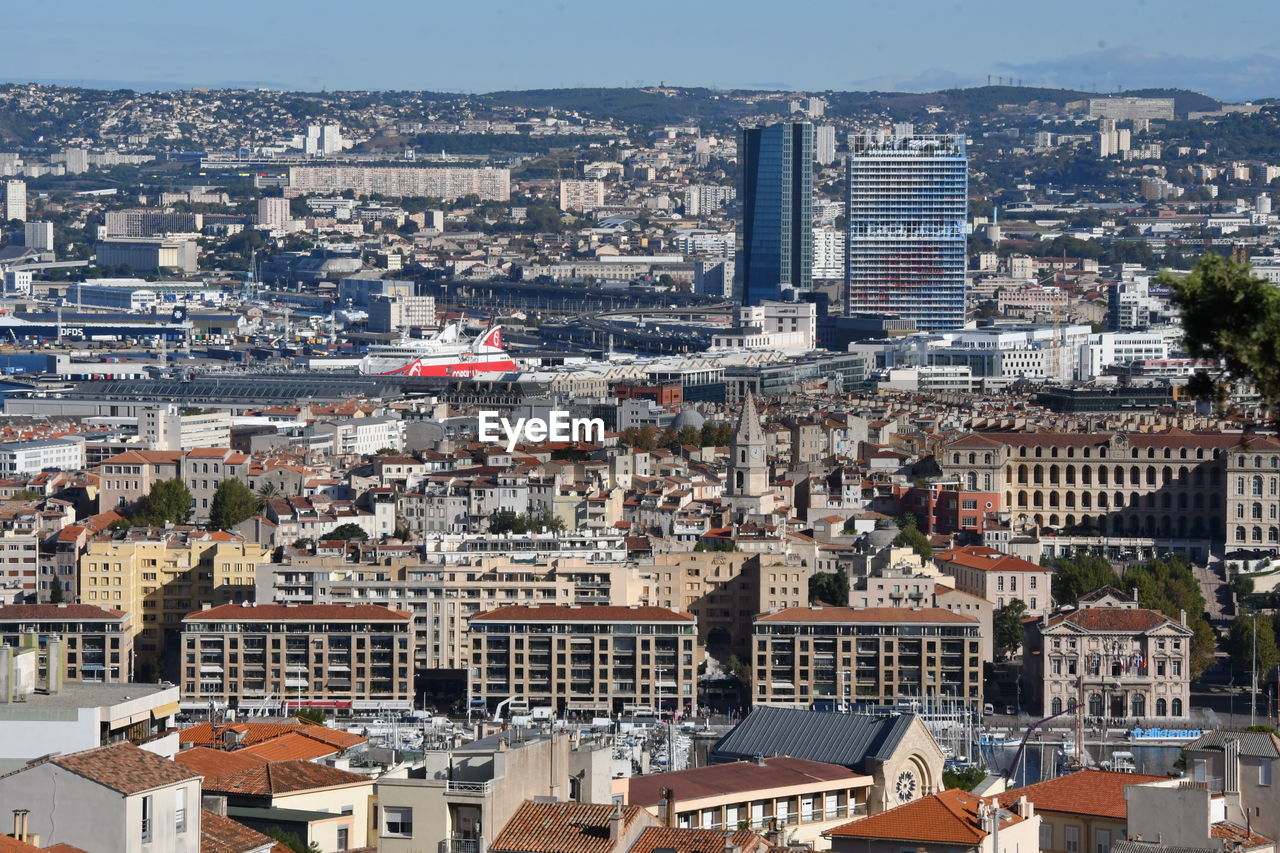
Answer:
(419, 367)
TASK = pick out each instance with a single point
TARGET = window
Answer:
(343, 837)
(180, 811)
(397, 821)
(1046, 836)
(1072, 836)
(1264, 772)
(148, 813)
(1102, 841)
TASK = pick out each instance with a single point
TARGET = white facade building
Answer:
(1110, 348)
(15, 200)
(39, 454)
(828, 253)
(273, 211)
(38, 236)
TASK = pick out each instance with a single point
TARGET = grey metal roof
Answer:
(1253, 744)
(845, 739)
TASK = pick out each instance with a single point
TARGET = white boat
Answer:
(446, 353)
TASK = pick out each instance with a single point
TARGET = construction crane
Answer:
(1017, 756)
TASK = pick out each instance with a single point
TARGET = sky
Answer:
(801, 45)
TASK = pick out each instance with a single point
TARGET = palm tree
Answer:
(267, 491)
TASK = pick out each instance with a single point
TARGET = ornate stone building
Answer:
(1187, 492)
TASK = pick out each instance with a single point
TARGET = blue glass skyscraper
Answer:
(777, 209)
(905, 252)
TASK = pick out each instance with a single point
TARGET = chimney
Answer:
(774, 835)
(22, 824)
(1133, 592)
(615, 822)
(667, 798)
(1182, 617)
(17, 822)
(53, 678)
(1026, 810)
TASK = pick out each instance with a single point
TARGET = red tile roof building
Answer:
(1129, 663)
(614, 657)
(897, 653)
(312, 655)
(953, 819)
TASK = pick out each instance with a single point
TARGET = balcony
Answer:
(472, 789)
(458, 844)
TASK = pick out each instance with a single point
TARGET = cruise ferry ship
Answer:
(446, 353)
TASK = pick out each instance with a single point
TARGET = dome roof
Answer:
(884, 534)
(688, 418)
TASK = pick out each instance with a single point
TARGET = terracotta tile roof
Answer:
(1113, 619)
(212, 763)
(696, 840)
(1233, 835)
(738, 776)
(296, 745)
(284, 777)
(36, 612)
(563, 828)
(1099, 793)
(145, 457)
(13, 845)
(993, 562)
(872, 615)
(948, 817)
(220, 834)
(205, 735)
(125, 768)
(208, 452)
(276, 612)
(593, 613)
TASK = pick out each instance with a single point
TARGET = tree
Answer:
(830, 587)
(233, 502)
(911, 537)
(1008, 626)
(26, 495)
(1240, 644)
(964, 778)
(1085, 572)
(346, 532)
(314, 715)
(168, 501)
(292, 840)
(55, 592)
(1169, 585)
(1232, 318)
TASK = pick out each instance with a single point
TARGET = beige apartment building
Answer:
(204, 468)
(356, 657)
(1181, 491)
(581, 195)
(443, 598)
(127, 477)
(999, 578)
(597, 659)
(1122, 661)
(94, 644)
(159, 576)
(807, 798)
(877, 654)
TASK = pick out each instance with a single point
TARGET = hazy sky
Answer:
(484, 45)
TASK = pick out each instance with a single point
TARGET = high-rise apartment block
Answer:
(15, 200)
(39, 236)
(581, 195)
(442, 182)
(824, 145)
(77, 160)
(322, 139)
(320, 655)
(600, 658)
(905, 251)
(777, 210)
(273, 211)
(704, 199)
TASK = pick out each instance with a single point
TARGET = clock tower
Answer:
(748, 483)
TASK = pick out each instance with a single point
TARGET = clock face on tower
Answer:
(755, 453)
(905, 788)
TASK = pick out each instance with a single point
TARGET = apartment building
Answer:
(169, 427)
(875, 654)
(20, 562)
(595, 659)
(127, 477)
(159, 576)
(1126, 662)
(321, 655)
(40, 454)
(150, 221)
(90, 643)
(999, 578)
(581, 195)
(204, 468)
(1177, 490)
(805, 797)
(445, 183)
(443, 598)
